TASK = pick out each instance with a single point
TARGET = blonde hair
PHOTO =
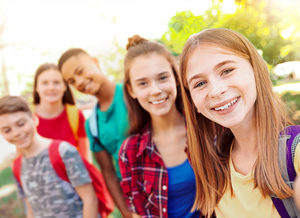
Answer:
(211, 162)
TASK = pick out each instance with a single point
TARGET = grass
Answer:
(10, 205)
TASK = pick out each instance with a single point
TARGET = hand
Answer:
(132, 215)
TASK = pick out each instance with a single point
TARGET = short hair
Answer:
(68, 54)
(67, 97)
(12, 104)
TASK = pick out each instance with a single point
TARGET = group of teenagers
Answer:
(206, 137)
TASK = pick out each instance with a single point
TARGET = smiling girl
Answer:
(51, 97)
(234, 120)
(156, 174)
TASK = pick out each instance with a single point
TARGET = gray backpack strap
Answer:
(286, 207)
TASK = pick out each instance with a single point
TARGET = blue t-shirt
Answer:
(112, 126)
(182, 191)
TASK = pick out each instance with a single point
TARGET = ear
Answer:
(131, 93)
(95, 60)
(35, 120)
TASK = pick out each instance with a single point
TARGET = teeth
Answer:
(226, 106)
(158, 102)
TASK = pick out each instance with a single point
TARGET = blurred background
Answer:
(35, 32)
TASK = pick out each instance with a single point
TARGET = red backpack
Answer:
(105, 202)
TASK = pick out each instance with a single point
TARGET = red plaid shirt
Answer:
(144, 176)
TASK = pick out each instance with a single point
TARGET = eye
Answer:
(199, 84)
(227, 71)
(162, 78)
(6, 130)
(71, 81)
(79, 72)
(45, 82)
(143, 83)
(56, 82)
(21, 123)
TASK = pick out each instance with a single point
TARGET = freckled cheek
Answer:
(198, 101)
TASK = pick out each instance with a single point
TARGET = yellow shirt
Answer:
(247, 202)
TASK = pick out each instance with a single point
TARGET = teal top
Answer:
(112, 126)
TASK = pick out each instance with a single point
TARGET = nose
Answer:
(16, 133)
(79, 82)
(51, 85)
(217, 88)
(155, 89)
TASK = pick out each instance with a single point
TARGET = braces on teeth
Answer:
(226, 106)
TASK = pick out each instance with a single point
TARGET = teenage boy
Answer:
(45, 193)
(82, 71)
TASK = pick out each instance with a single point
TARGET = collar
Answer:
(145, 141)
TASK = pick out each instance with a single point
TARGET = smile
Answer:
(226, 106)
(87, 86)
(159, 102)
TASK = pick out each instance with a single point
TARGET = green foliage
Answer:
(261, 21)
(114, 62)
(10, 206)
(6, 177)
(291, 99)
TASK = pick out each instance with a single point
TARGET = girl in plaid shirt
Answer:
(157, 179)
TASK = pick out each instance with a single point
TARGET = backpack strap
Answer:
(94, 128)
(56, 160)
(73, 118)
(17, 164)
(289, 138)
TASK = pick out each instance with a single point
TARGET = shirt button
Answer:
(164, 187)
(164, 210)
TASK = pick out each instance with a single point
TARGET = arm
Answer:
(89, 199)
(83, 146)
(107, 168)
(29, 212)
(126, 177)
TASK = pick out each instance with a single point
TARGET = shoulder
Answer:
(66, 148)
(130, 145)
(131, 142)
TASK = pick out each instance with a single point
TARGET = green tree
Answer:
(270, 26)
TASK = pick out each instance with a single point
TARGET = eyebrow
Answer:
(140, 79)
(223, 63)
(219, 65)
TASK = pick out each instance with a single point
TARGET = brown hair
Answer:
(68, 54)
(67, 97)
(136, 47)
(211, 162)
(13, 104)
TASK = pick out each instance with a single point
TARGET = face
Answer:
(222, 86)
(50, 86)
(83, 73)
(153, 84)
(18, 128)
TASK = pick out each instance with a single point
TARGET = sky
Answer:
(40, 31)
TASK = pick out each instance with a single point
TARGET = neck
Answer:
(49, 110)
(39, 143)
(245, 139)
(161, 124)
(106, 94)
